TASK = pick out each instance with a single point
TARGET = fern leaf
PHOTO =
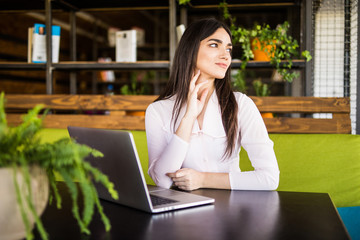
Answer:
(105, 220)
(74, 196)
(102, 178)
(55, 191)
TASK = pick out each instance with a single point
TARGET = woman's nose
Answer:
(225, 54)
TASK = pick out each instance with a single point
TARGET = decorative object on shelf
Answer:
(261, 89)
(184, 2)
(140, 36)
(125, 46)
(238, 80)
(106, 75)
(37, 43)
(30, 166)
(138, 86)
(112, 36)
(280, 47)
(263, 51)
(138, 83)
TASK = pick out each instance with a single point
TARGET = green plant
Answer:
(138, 83)
(261, 89)
(20, 148)
(239, 83)
(284, 46)
(184, 2)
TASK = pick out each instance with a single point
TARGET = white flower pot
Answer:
(11, 223)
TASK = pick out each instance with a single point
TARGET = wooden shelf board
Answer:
(112, 65)
(260, 64)
(22, 66)
(92, 65)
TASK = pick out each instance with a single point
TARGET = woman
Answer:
(196, 128)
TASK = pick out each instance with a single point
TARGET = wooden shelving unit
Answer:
(50, 6)
(144, 65)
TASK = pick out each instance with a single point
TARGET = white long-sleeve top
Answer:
(204, 153)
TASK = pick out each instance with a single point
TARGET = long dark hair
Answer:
(183, 67)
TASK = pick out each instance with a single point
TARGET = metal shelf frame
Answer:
(73, 65)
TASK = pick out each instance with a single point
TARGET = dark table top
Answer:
(234, 215)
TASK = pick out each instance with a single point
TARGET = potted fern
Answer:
(276, 44)
(27, 164)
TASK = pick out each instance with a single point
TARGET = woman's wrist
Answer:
(185, 128)
(189, 119)
(215, 180)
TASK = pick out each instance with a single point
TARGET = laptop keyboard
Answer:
(156, 200)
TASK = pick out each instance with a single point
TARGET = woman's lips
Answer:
(222, 65)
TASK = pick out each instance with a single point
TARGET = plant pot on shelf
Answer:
(263, 53)
(267, 115)
(11, 222)
(135, 113)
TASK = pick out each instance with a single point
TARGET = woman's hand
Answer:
(187, 179)
(194, 104)
(194, 108)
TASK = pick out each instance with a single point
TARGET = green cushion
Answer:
(141, 146)
(328, 163)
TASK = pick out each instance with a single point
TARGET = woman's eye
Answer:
(213, 45)
(229, 50)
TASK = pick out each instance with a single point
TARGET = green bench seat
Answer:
(327, 163)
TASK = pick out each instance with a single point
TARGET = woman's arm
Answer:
(190, 179)
(194, 106)
(260, 149)
(166, 150)
(167, 156)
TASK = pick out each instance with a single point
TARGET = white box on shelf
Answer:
(126, 46)
(55, 32)
(39, 43)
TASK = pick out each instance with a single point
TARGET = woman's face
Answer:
(214, 56)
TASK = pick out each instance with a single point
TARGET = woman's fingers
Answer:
(195, 75)
(186, 178)
(194, 79)
(203, 96)
(195, 102)
(179, 173)
(199, 85)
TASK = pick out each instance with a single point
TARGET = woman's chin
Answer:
(220, 76)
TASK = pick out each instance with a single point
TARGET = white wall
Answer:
(329, 53)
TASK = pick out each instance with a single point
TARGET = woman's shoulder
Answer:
(241, 97)
(161, 106)
(163, 103)
(244, 102)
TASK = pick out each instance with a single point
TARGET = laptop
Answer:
(122, 165)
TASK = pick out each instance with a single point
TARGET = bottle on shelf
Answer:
(109, 90)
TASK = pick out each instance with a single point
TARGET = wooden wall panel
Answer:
(81, 108)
